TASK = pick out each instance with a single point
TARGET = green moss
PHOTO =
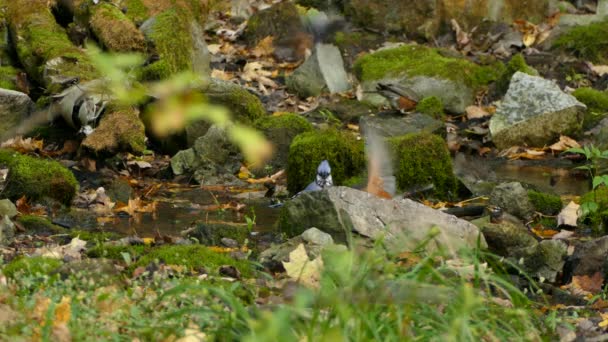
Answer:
(8, 76)
(194, 257)
(596, 102)
(245, 106)
(93, 236)
(280, 130)
(39, 39)
(344, 153)
(416, 60)
(116, 252)
(37, 178)
(421, 159)
(173, 43)
(517, 63)
(431, 106)
(30, 266)
(589, 42)
(136, 11)
(114, 30)
(36, 225)
(547, 204)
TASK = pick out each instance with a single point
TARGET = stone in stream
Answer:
(402, 224)
(513, 198)
(535, 112)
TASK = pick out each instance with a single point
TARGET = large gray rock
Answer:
(14, 107)
(513, 198)
(589, 258)
(393, 126)
(535, 112)
(7, 208)
(402, 224)
(323, 71)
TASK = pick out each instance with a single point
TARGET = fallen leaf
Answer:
(302, 269)
(476, 112)
(71, 251)
(214, 48)
(23, 145)
(591, 284)
(564, 143)
(221, 74)
(569, 215)
(544, 233)
(599, 70)
(264, 48)
(604, 322)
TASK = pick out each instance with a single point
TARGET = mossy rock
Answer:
(597, 105)
(280, 21)
(280, 130)
(37, 178)
(588, 42)
(600, 197)
(244, 106)
(38, 39)
(211, 234)
(120, 130)
(517, 63)
(547, 204)
(39, 225)
(114, 30)
(421, 159)
(418, 60)
(431, 106)
(8, 76)
(344, 153)
(140, 10)
(30, 266)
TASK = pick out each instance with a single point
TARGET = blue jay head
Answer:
(324, 175)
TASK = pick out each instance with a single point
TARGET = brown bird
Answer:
(399, 97)
(380, 178)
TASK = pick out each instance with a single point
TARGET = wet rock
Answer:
(588, 258)
(14, 107)
(426, 72)
(403, 224)
(545, 260)
(345, 110)
(119, 130)
(120, 190)
(505, 236)
(229, 271)
(7, 231)
(230, 243)
(535, 112)
(513, 198)
(322, 72)
(476, 175)
(317, 237)
(7, 208)
(244, 106)
(214, 234)
(213, 159)
(76, 219)
(397, 125)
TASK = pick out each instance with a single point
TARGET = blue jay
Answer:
(323, 178)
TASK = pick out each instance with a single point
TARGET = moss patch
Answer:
(417, 60)
(547, 204)
(37, 178)
(39, 39)
(421, 159)
(114, 29)
(517, 63)
(597, 105)
(281, 130)
(244, 106)
(8, 76)
(344, 153)
(120, 130)
(39, 225)
(431, 106)
(589, 42)
(30, 266)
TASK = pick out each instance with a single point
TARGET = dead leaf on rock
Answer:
(302, 269)
(564, 143)
(569, 215)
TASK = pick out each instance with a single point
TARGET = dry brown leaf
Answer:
(221, 74)
(264, 48)
(544, 233)
(214, 48)
(569, 215)
(564, 143)
(476, 112)
(591, 284)
(599, 70)
(302, 269)
(528, 30)
(23, 145)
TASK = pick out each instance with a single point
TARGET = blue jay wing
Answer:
(313, 186)
(381, 179)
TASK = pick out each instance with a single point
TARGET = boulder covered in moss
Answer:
(113, 29)
(244, 106)
(431, 106)
(548, 204)
(390, 125)
(119, 130)
(280, 130)
(427, 72)
(344, 153)
(178, 41)
(43, 47)
(141, 10)
(515, 64)
(39, 225)
(535, 112)
(422, 159)
(36, 178)
(597, 105)
(589, 42)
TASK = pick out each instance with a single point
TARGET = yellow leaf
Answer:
(63, 311)
(604, 322)
(529, 38)
(300, 268)
(148, 240)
